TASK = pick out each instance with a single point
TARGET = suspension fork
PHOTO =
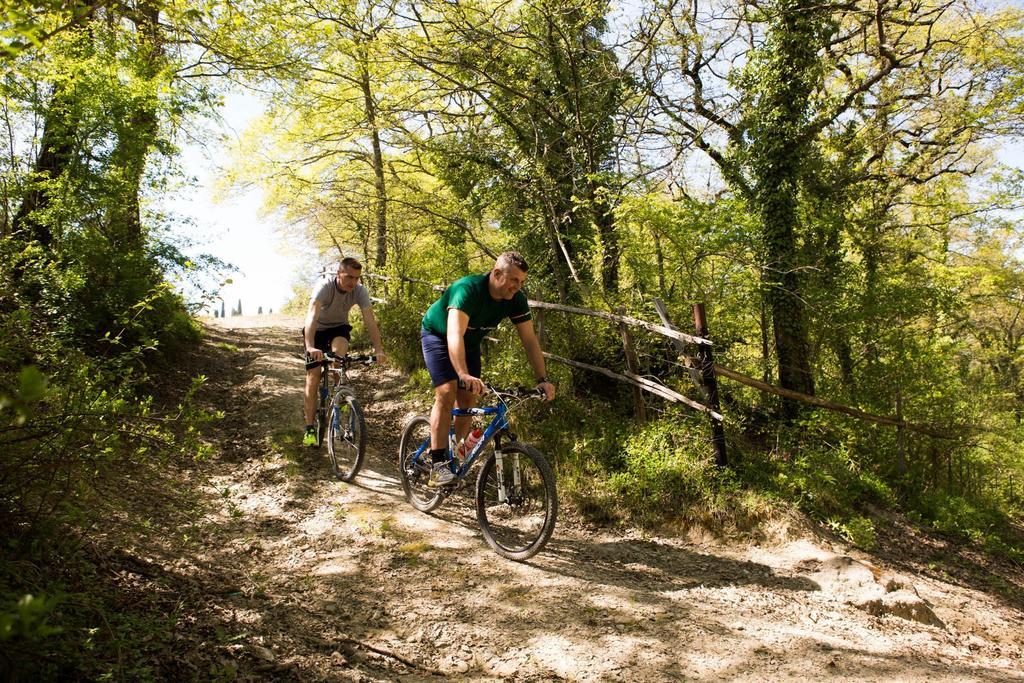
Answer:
(499, 469)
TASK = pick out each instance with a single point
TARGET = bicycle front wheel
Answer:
(415, 471)
(346, 436)
(320, 423)
(516, 501)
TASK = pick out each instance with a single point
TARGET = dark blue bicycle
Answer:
(516, 500)
(339, 419)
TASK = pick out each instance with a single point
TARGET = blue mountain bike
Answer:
(516, 500)
(338, 418)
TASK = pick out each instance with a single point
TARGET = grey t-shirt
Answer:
(335, 304)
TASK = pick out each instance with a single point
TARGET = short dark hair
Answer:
(512, 258)
(350, 262)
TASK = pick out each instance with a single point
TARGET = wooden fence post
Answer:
(541, 331)
(681, 349)
(634, 367)
(901, 462)
(710, 382)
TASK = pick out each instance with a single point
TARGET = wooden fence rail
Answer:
(700, 366)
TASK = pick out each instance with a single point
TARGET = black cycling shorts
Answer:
(322, 338)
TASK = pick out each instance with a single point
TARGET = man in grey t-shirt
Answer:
(327, 329)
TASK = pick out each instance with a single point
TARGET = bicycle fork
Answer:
(499, 469)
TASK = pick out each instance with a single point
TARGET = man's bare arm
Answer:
(535, 356)
(312, 316)
(458, 321)
(374, 331)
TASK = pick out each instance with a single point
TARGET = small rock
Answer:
(454, 664)
(338, 659)
(263, 653)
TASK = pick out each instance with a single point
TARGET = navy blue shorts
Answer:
(439, 365)
(322, 338)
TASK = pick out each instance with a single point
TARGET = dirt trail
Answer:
(311, 579)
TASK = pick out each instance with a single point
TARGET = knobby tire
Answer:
(414, 480)
(346, 454)
(520, 527)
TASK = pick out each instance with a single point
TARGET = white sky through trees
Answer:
(269, 263)
(232, 227)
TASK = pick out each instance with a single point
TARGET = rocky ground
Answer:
(307, 578)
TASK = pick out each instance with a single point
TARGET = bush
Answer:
(399, 322)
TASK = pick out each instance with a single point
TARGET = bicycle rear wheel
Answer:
(416, 471)
(516, 501)
(346, 436)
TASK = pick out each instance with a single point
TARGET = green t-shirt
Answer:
(471, 296)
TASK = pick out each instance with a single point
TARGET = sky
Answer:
(232, 227)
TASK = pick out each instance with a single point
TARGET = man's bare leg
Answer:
(441, 414)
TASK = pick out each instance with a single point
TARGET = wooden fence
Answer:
(695, 352)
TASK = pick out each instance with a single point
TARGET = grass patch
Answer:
(288, 443)
(413, 553)
(517, 593)
(415, 548)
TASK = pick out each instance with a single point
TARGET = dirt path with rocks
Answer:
(307, 578)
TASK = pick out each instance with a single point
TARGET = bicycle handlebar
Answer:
(346, 360)
(512, 392)
(520, 392)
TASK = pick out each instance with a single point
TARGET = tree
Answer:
(531, 126)
(804, 107)
(331, 118)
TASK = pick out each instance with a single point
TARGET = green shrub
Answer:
(860, 531)
(399, 322)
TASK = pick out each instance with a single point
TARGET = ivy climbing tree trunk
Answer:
(137, 135)
(784, 76)
(56, 153)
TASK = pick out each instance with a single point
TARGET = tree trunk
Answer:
(56, 153)
(659, 256)
(381, 203)
(138, 133)
(612, 251)
(778, 148)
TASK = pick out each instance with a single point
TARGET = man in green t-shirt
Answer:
(453, 328)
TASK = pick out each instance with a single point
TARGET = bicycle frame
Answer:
(516, 495)
(332, 365)
(337, 365)
(497, 425)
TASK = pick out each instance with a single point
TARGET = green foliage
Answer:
(860, 531)
(399, 321)
(27, 619)
(665, 467)
(955, 515)
(87, 320)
